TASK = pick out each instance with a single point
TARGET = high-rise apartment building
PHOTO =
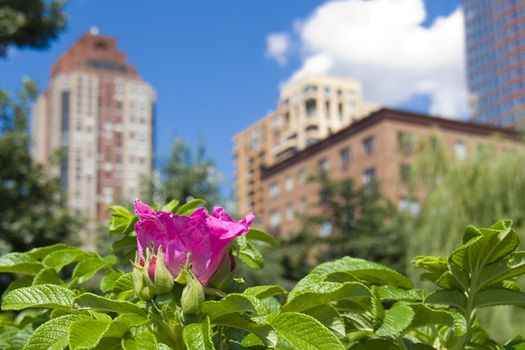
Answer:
(309, 110)
(495, 47)
(98, 113)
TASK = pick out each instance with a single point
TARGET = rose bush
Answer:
(173, 296)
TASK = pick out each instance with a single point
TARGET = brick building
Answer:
(381, 147)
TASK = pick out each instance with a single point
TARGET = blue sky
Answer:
(207, 60)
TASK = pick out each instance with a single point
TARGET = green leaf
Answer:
(124, 282)
(375, 344)
(352, 269)
(96, 302)
(323, 293)
(42, 295)
(263, 292)
(453, 298)
(329, 317)
(249, 254)
(52, 335)
(504, 269)
(126, 245)
(232, 303)
(198, 336)
(121, 324)
(86, 333)
(259, 235)
(122, 220)
(48, 276)
(170, 206)
(392, 293)
(304, 332)
(60, 258)
(262, 331)
(189, 207)
(42, 252)
(144, 340)
(498, 296)
(108, 281)
(88, 267)
(425, 316)
(396, 321)
(19, 263)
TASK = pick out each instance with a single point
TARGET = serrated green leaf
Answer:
(52, 335)
(19, 263)
(144, 340)
(42, 295)
(108, 281)
(123, 323)
(504, 269)
(323, 293)
(249, 254)
(86, 333)
(329, 317)
(96, 302)
(88, 267)
(198, 336)
(375, 344)
(425, 316)
(435, 266)
(397, 320)
(262, 331)
(498, 296)
(170, 206)
(453, 298)
(190, 206)
(232, 303)
(304, 332)
(355, 268)
(263, 292)
(122, 220)
(41, 252)
(392, 293)
(256, 234)
(60, 258)
(48, 276)
(124, 283)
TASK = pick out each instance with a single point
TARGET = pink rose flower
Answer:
(206, 237)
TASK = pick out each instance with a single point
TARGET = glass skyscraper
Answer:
(495, 47)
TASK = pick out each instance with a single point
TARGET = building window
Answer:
(324, 165)
(303, 176)
(405, 142)
(327, 109)
(404, 173)
(289, 212)
(460, 150)
(289, 183)
(310, 88)
(274, 190)
(325, 230)
(368, 145)
(327, 91)
(311, 108)
(409, 205)
(275, 219)
(303, 205)
(369, 175)
(345, 157)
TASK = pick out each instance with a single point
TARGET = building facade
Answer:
(495, 48)
(309, 110)
(379, 147)
(98, 114)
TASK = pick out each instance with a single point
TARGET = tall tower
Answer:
(97, 113)
(495, 47)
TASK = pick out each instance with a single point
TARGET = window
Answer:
(327, 91)
(325, 230)
(368, 145)
(345, 157)
(311, 108)
(289, 212)
(409, 205)
(324, 165)
(369, 175)
(303, 205)
(303, 176)
(274, 190)
(404, 172)
(310, 88)
(460, 150)
(327, 109)
(405, 142)
(289, 184)
(275, 218)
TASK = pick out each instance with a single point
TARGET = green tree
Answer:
(30, 23)
(188, 174)
(30, 209)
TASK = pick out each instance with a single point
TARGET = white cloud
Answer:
(278, 47)
(383, 44)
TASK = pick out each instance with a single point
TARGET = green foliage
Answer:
(30, 23)
(348, 303)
